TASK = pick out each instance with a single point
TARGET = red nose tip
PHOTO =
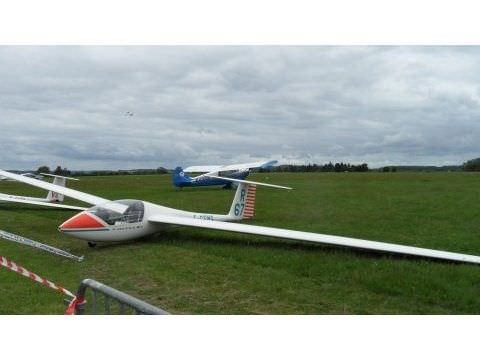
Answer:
(81, 221)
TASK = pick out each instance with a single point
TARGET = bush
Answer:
(472, 165)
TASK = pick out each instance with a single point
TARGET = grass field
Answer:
(196, 271)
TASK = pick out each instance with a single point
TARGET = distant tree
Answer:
(43, 169)
(60, 171)
(472, 165)
(394, 169)
(386, 169)
(162, 170)
(360, 168)
(330, 167)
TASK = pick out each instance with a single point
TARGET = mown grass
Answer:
(207, 272)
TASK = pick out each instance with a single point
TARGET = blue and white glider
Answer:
(225, 175)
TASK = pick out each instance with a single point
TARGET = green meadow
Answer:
(195, 271)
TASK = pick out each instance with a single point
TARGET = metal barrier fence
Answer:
(125, 302)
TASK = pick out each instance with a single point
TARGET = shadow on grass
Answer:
(212, 189)
(179, 236)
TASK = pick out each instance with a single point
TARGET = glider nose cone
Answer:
(82, 221)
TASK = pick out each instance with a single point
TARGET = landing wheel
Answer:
(228, 186)
(92, 244)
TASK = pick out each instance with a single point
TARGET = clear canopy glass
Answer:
(133, 214)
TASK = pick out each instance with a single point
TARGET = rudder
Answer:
(179, 178)
(53, 196)
(243, 205)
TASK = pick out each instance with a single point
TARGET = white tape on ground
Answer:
(38, 245)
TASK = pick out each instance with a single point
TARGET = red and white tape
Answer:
(10, 265)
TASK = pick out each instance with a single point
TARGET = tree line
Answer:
(330, 167)
(58, 171)
(470, 165)
(65, 172)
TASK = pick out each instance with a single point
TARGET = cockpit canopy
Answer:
(133, 213)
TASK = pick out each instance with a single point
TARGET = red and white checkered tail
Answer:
(249, 210)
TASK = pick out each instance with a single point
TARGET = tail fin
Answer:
(179, 179)
(243, 205)
(60, 181)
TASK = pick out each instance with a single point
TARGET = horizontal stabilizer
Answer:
(60, 176)
(316, 238)
(249, 182)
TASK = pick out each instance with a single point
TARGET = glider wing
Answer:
(74, 194)
(202, 169)
(15, 199)
(253, 165)
(315, 238)
(233, 167)
(248, 182)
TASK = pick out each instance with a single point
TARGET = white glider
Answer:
(130, 219)
(51, 200)
(39, 177)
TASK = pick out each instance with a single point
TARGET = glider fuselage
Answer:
(181, 180)
(99, 224)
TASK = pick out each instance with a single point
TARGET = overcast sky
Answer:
(218, 105)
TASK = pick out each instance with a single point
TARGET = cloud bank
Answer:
(213, 105)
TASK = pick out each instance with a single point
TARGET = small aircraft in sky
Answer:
(225, 175)
(122, 220)
(52, 196)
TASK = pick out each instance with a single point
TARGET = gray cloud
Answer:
(195, 105)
